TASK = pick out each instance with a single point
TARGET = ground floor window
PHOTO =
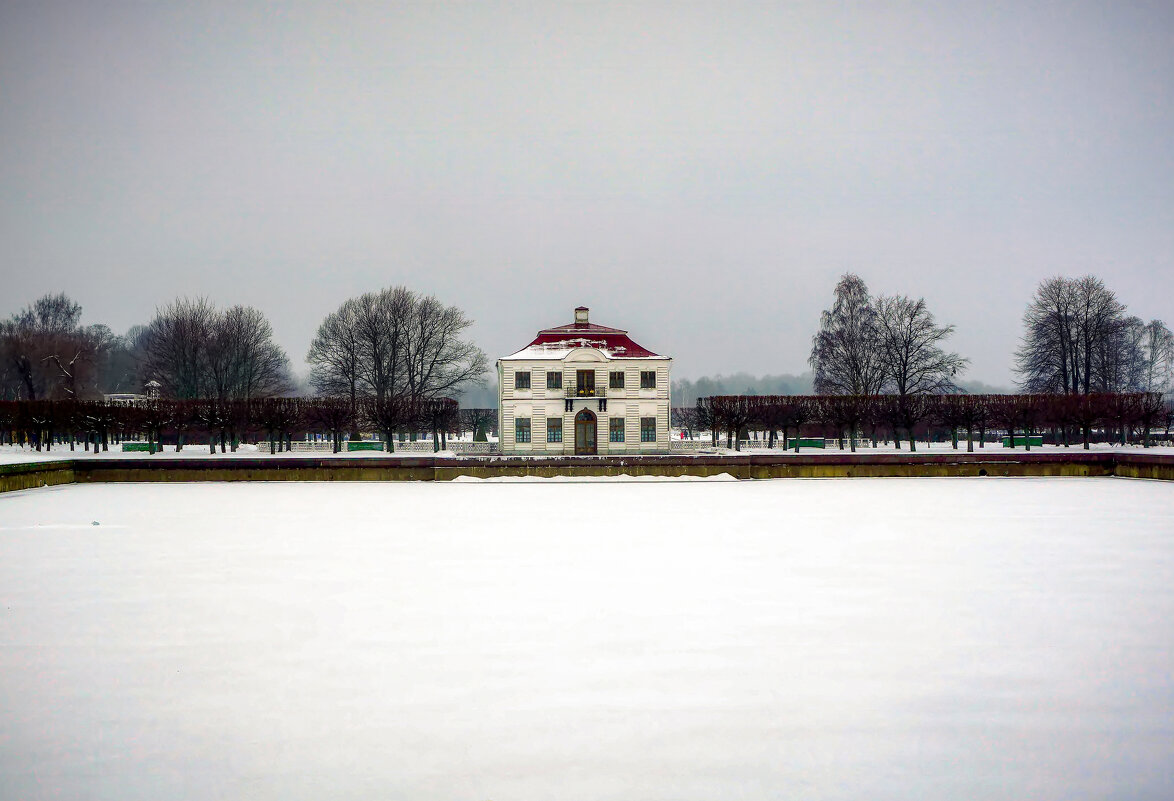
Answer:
(615, 429)
(522, 429)
(648, 429)
(554, 430)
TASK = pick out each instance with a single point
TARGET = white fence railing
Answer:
(418, 446)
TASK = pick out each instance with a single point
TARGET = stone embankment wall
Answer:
(390, 468)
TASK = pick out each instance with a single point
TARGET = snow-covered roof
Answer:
(557, 343)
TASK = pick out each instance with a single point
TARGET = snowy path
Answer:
(12, 454)
(864, 639)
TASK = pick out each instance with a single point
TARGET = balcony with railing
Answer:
(582, 391)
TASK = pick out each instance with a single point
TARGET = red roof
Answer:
(617, 342)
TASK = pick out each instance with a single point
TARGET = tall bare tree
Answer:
(336, 355)
(1157, 358)
(438, 360)
(1077, 339)
(46, 352)
(243, 360)
(909, 341)
(197, 351)
(844, 352)
(175, 346)
(394, 343)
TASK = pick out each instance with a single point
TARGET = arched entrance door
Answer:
(585, 433)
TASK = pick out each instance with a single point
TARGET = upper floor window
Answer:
(647, 379)
(554, 381)
(648, 429)
(522, 380)
(522, 428)
(615, 379)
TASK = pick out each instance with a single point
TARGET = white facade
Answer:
(591, 390)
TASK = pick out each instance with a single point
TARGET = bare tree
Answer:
(335, 355)
(1157, 374)
(479, 421)
(438, 361)
(844, 352)
(45, 351)
(382, 320)
(1047, 359)
(243, 360)
(909, 341)
(392, 343)
(175, 346)
(1118, 361)
(1077, 339)
(197, 351)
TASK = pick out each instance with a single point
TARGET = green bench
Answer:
(1036, 441)
(145, 447)
(364, 445)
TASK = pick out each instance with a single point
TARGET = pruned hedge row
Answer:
(1116, 417)
(278, 420)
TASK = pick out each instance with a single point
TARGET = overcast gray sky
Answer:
(697, 173)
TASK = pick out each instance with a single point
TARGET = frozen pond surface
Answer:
(856, 639)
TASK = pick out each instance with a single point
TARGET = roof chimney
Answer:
(581, 315)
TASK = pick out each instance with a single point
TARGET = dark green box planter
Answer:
(806, 442)
(1036, 442)
(364, 445)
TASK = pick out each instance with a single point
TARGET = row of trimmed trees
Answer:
(1115, 417)
(41, 424)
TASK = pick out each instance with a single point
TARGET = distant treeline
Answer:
(686, 392)
(1068, 418)
(41, 424)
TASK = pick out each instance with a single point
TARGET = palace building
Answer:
(583, 389)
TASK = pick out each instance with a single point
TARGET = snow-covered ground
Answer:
(14, 454)
(866, 639)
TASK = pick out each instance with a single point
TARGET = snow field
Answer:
(891, 638)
